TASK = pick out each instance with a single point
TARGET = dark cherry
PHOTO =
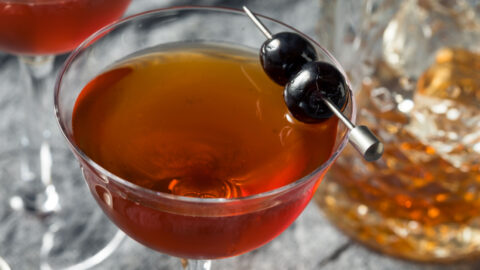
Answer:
(303, 94)
(284, 54)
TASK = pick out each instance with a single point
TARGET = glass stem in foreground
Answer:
(196, 264)
(36, 193)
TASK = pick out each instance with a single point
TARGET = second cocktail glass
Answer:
(42, 215)
(187, 227)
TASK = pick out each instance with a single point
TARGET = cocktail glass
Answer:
(40, 210)
(187, 227)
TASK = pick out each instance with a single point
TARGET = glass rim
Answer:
(157, 194)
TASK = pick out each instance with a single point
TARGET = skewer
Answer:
(362, 139)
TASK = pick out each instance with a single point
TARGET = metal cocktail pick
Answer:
(364, 141)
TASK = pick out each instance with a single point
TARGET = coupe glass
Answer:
(41, 210)
(191, 228)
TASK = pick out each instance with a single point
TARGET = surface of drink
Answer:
(422, 200)
(197, 120)
(53, 26)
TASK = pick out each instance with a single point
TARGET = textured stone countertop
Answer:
(311, 242)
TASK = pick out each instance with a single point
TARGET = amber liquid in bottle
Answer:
(421, 201)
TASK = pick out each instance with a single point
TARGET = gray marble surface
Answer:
(310, 243)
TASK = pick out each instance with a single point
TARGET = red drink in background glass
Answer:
(53, 26)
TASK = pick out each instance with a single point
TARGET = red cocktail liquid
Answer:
(53, 26)
(198, 121)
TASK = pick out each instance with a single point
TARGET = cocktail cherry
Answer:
(305, 92)
(283, 55)
(314, 90)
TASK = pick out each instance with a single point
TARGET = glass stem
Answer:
(37, 194)
(196, 264)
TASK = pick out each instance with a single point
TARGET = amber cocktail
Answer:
(184, 141)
